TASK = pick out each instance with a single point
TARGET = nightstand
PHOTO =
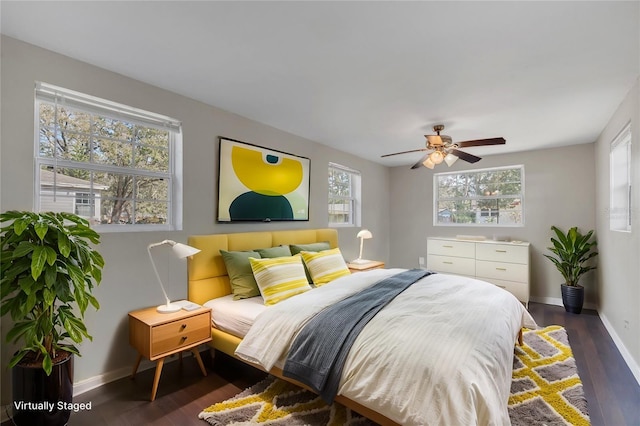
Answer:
(359, 267)
(156, 336)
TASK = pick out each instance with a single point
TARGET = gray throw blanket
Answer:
(320, 349)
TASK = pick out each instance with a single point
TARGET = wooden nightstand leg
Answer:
(197, 355)
(135, 367)
(156, 379)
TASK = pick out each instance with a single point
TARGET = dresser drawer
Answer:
(451, 265)
(502, 271)
(451, 248)
(503, 253)
(519, 290)
(174, 335)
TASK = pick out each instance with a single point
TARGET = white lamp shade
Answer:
(183, 250)
(436, 157)
(428, 163)
(365, 233)
(450, 159)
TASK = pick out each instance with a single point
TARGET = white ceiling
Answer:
(369, 78)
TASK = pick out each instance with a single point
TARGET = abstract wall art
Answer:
(261, 184)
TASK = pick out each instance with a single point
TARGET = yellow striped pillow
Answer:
(325, 266)
(279, 278)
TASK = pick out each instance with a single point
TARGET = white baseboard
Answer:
(631, 363)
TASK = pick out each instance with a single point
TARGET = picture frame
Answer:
(259, 184)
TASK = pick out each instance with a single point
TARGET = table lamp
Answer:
(365, 234)
(180, 251)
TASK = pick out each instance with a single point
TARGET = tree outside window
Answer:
(480, 197)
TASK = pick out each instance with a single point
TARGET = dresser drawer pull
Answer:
(447, 246)
(447, 263)
(183, 338)
(501, 251)
(501, 286)
(501, 269)
(183, 326)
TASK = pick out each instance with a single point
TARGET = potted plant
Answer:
(48, 272)
(572, 252)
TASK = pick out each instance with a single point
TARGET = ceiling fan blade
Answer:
(482, 142)
(404, 152)
(469, 158)
(419, 163)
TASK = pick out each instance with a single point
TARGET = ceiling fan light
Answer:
(450, 159)
(436, 157)
(428, 163)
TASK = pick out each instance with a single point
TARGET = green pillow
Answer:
(271, 252)
(313, 247)
(243, 283)
(297, 248)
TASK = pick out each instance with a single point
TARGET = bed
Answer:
(426, 358)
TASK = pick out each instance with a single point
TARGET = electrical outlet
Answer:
(421, 261)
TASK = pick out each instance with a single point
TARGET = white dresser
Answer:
(504, 264)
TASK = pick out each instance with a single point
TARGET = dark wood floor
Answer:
(613, 394)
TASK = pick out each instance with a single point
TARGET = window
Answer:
(114, 165)
(344, 196)
(484, 197)
(620, 181)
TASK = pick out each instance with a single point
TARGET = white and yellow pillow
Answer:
(325, 266)
(279, 278)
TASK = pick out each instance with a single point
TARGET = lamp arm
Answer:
(156, 269)
(361, 244)
(161, 243)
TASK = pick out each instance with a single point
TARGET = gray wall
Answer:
(128, 280)
(619, 272)
(559, 190)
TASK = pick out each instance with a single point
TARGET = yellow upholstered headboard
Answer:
(206, 272)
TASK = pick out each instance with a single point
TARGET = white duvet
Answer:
(439, 354)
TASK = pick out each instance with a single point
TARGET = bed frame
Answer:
(208, 279)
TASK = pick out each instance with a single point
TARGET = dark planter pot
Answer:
(572, 298)
(39, 399)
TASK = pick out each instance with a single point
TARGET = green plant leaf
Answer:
(64, 245)
(23, 249)
(37, 261)
(41, 229)
(47, 364)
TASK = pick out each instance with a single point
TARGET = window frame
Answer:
(620, 150)
(58, 96)
(521, 196)
(355, 200)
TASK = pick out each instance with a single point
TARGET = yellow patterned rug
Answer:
(545, 390)
(545, 386)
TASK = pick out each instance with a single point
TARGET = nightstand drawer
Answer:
(174, 335)
(452, 265)
(451, 248)
(502, 271)
(503, 253)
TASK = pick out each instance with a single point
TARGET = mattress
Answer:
(235, 316)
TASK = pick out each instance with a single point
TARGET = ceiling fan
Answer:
(442, 148)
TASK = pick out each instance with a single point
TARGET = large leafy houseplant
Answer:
(48, 272)
(572, 253)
